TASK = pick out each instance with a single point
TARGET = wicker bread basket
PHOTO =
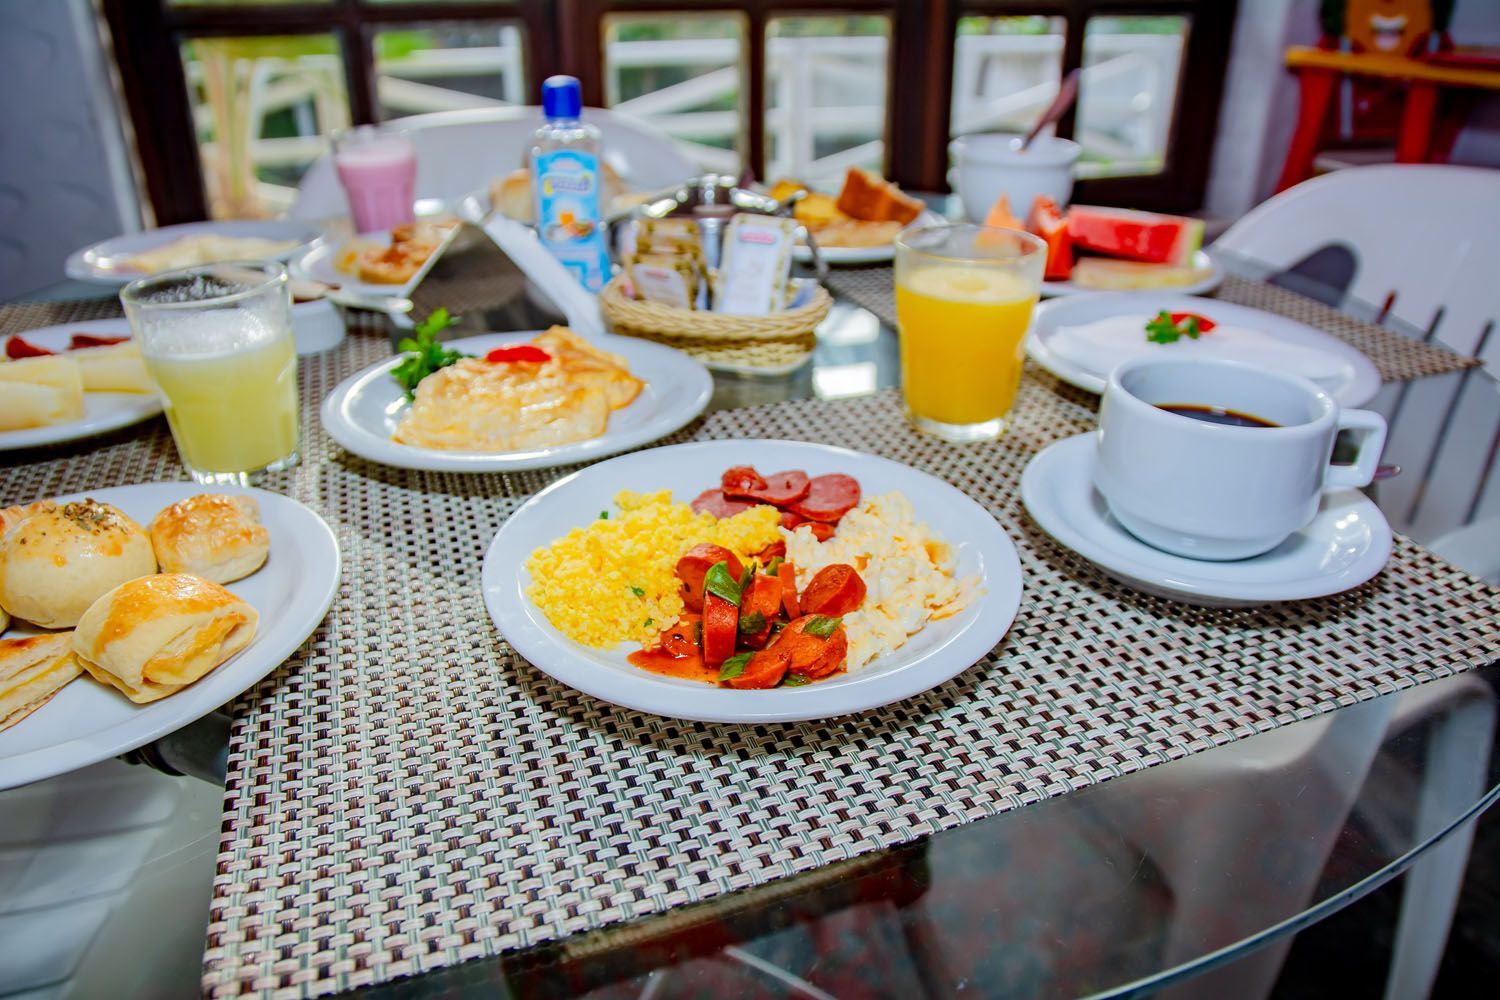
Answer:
(777, 342)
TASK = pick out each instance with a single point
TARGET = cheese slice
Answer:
(35, 392)
(112, 368)
(32, 670)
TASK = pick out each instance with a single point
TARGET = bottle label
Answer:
(568, 216)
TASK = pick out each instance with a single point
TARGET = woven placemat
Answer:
(1397, 358)
(406, 793)
(22, 316)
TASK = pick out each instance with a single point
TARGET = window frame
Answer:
(569, 33)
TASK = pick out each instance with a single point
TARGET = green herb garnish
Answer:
(720, 582)
(1163, 330)
(745, 580)
(794, 680)
(773, 565)
(424, 355)
(734, 666)
(604, 515)
(752, 623)
(649, 622)
(637, 591)
(822, 626)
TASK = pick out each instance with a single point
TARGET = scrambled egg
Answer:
(907, 570)
(614, 581)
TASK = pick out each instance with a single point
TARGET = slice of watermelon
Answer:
(1146, 236)
(1048, 222)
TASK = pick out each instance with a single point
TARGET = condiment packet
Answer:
(756, 265)
(669, 278)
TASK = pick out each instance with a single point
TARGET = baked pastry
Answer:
(37, 392)
(56, 562)
(871, 197)
(211, 535)
(12, 516)
(155, 635)
(511, 196)
(32, 670)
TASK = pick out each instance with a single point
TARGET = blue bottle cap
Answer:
(561, 97)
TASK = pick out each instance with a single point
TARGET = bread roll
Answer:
(55, 563)
(37, 392)
(112, 368)
(217, 537)
(12, 516)
(155, 635)
(32, 670)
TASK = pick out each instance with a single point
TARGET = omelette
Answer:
(493, 406)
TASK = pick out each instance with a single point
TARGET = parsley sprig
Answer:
(424, 355)
(1165, 330)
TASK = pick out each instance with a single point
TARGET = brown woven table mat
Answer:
(406, 793)
(22, 316)
(1398, 358)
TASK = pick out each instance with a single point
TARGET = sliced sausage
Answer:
(776, 548)
(828, 498)
(765, 670)
(721, 622)
(694, 566)
(742, 482)
(834, 590)
(783, 488)
(789, 521)
(787, 574)
(716, 503)
(822, 532)
(813, 656)
(763, 597)
(682, 638)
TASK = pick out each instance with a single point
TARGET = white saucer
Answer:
(1345, 545)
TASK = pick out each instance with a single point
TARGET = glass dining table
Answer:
(1192, 875)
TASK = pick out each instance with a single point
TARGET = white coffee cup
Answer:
(987, 166)
(1215, 491)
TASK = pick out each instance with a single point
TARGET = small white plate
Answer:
(102, 411)
(1051, 289)
(316, 263)
(1345, 545)
(1357, 386)
(87, 722)
(362, 413)
(938, 652)
(858, 255)
(102, 262)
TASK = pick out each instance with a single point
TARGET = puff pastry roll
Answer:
(32, 670)
(35, 392)
(155, 635)
(12, 516)
(212, 535)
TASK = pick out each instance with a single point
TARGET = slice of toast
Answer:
(872, 198)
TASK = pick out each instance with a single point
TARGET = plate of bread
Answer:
(126, 613)
(859, 224)
(377, 265)
(60, 383)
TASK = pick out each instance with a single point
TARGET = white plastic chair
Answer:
(460, 152)
(1425, 233)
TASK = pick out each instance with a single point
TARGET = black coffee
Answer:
(1216, 415)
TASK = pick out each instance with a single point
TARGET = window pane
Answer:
(1006, 70)
(682, 73)
(1126, 96)
(825, 97)
(261, 107)
(444, 67)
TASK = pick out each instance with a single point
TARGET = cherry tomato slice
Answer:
(1204, 323)
(519, 352)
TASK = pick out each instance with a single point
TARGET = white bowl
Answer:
(987, 166)
(316, 326)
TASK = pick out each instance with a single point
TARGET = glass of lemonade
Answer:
(218, 341)
(964, 297)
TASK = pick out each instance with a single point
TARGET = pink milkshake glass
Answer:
(378, 168)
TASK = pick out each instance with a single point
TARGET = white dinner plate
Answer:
(1215, 277)
(859, 255)
(102, 411)
(87, 722)
(362, 413)
(102, 262)
(1346, 544)
(938, 652)
(1356, 384)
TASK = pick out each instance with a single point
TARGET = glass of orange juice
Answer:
(218, 342)
(964, 297)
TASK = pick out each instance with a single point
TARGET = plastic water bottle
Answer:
(566, 180)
